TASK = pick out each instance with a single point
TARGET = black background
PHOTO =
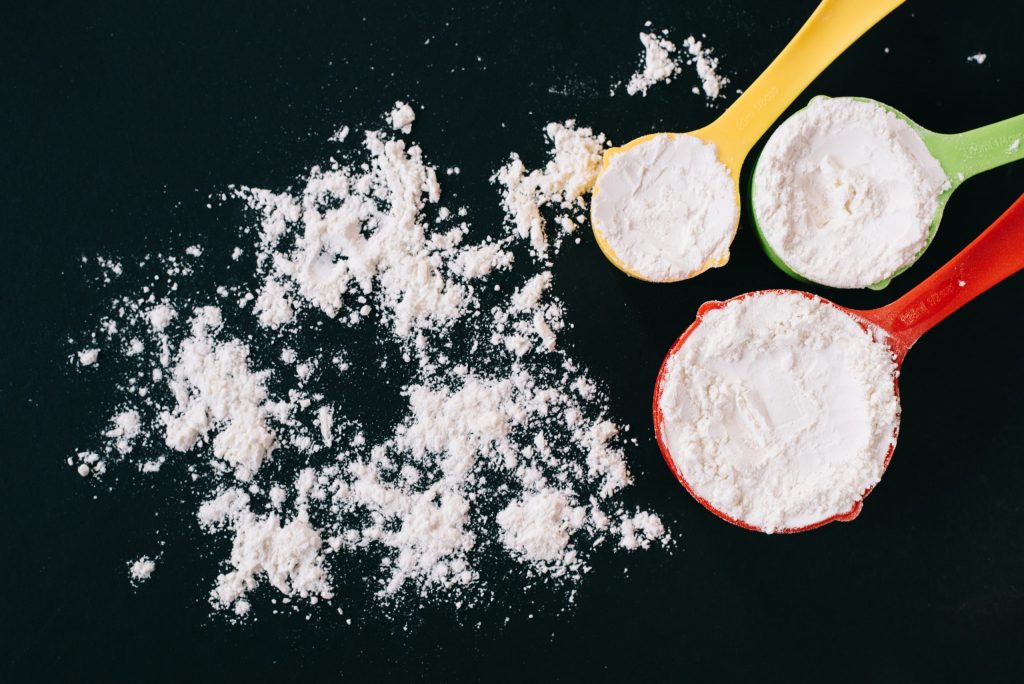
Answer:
(118, 120)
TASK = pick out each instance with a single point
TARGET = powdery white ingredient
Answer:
(88, 357)
(141, 569)
(361, 232)
(487, 412)
(707, 67)
(845, 192)
(659, 64)
(160, 316)
(978, 58)
(274, 305)
(215, 391)
(667, 207)
(288, 556)
(567, 176)
(780, 409)
(126, 428)
(662, 62)
(538, 526)
(401, 117)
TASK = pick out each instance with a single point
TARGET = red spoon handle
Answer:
(995, 255)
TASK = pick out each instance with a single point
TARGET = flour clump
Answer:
(659, 64)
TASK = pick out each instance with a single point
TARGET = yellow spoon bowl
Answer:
(833, 27)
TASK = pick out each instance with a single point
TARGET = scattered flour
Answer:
(845, 192)
(666, 208)
(978, 58)
(707, 67)
(567, 176)
(662, 61)
(779, 410)
(499, 452)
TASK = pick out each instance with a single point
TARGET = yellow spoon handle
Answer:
(834, 25)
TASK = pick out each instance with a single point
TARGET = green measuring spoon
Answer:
(961, 156)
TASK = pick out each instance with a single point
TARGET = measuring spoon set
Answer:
(997, 254)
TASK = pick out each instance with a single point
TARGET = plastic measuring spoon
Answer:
(994, 256)
(961, 155)
(833, 26)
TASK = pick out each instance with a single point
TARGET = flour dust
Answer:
(371, 393)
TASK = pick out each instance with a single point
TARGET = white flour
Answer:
(662, 62)
(495, 448)
(141, 569)
(88, 357)
(706, 66)
(779, 410)
(567, 176)
(659, 64)
(845, 192)
(401, 118)
(667, 207)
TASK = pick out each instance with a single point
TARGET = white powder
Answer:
(141, 569)
(214, 390)
(126, 428)
(845, 192)
(160, 316)
(779, 410)
(491, 414)
(567, 176)
(662, 62)
(274, 304)
(640, 531)
(667, 207)
(287, 555)
(88, 357)
(331, 257)
(538, 526)
(978, 58)
(707, 67)
(659, 64)
(401, 117)
(477, 262)
(340, 135)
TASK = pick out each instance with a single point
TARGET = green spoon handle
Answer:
(963, 155)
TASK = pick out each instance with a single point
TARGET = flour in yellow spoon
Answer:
(666, 207)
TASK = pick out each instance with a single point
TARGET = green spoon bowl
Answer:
(961, 156)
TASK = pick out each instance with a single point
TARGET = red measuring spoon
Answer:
(995, 255)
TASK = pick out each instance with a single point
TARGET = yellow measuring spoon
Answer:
(623, 179)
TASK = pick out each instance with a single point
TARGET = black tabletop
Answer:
(119, 119)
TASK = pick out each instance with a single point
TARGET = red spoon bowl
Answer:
(993, 256)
